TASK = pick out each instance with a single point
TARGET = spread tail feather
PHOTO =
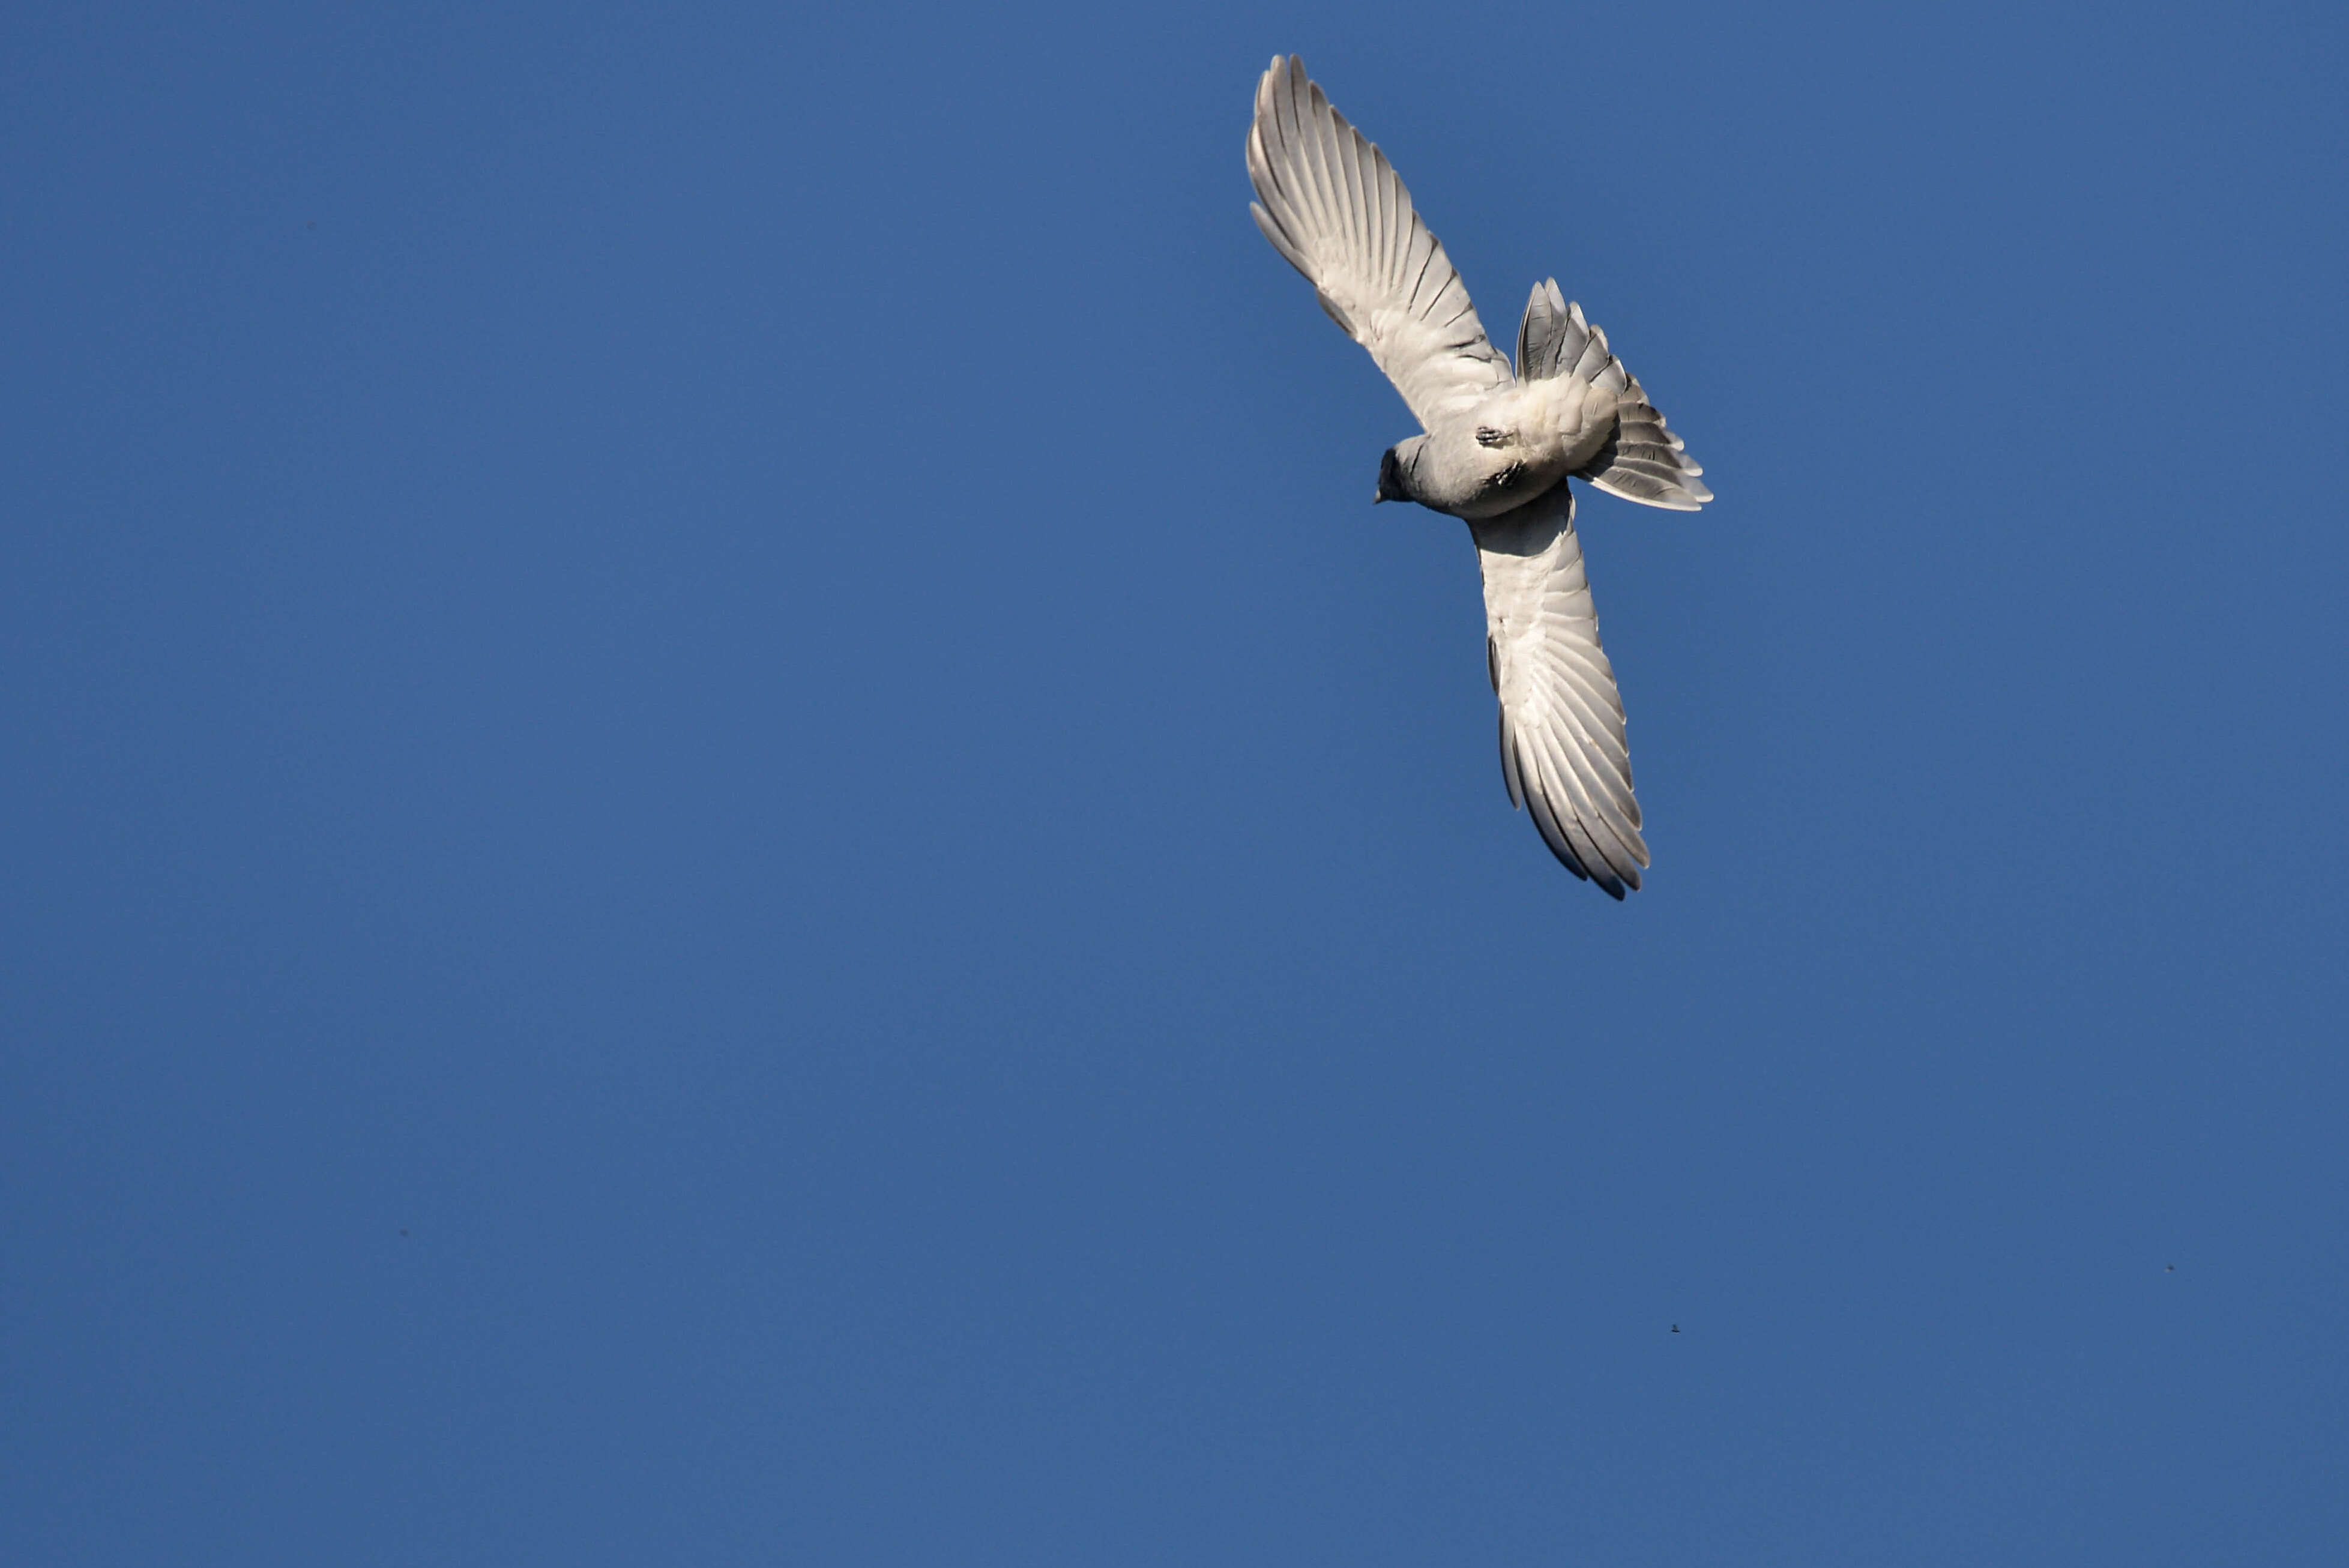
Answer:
(1643, 460)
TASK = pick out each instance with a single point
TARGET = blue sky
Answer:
(728, 838)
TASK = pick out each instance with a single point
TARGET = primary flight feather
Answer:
(1495, 449)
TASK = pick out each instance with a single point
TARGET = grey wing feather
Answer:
(1337, 212)
(1563, 755)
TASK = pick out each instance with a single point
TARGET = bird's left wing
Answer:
(1562, 749)
(1330, 202)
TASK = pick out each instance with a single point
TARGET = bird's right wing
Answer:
(1330, 202)
(1562, 751)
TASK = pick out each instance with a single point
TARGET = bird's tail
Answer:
(1643, 460)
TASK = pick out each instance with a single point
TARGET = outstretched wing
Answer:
(1330, 202)
(1562, 751)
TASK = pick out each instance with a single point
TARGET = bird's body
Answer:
(1506, 449)
(1496, 448)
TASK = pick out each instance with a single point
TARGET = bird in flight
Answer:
(1495, 449)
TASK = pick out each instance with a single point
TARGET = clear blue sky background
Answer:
(728, 838)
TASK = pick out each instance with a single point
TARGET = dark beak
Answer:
(1390, 481)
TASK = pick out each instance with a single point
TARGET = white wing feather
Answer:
(1330, 202)
(1562, 749)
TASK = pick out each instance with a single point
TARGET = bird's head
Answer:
(1395, 466)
